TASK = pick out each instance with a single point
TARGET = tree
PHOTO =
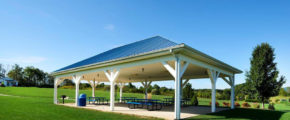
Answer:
(249, 88)
(155, 91)
(155, 86)
(34, 76)
(226, 94)
(263, 73)
(2, 71)
(49, 80)
(130, 85)
(16, 73)
(187, 91)
(102, 85)
(282, 92)
(288, 90)
(67, 82)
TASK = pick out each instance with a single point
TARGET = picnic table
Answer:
(185, 101)
(98, 100)
(168, 101)
(127, 99)
(140, 103)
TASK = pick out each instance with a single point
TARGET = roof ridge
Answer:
(142, 40)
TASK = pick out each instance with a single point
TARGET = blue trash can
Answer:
(82, 100)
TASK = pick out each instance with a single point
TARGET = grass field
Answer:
(37, 103)
(48, 93)
(246, 114)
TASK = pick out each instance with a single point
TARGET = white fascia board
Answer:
(166, 78)
(209, 58)
(122, 65)
(155, 53)
(205, 65)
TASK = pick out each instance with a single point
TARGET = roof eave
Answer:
(218, 62)
(165, 51)
(120, 60)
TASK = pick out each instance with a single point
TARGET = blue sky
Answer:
(52, 34)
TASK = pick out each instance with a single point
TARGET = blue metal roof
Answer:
(6, 79)
(139, 47)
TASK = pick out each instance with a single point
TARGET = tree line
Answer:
(28, 76)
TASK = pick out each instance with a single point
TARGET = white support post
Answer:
(112, 78)
(93, 90)
(146, 84)
(184, 83)
(112, 96)
(232, 79)
(177, 74)
(227, 81)
(93, 84)
(77, 80)
(177, 104)
(182, 86)
(213, 75)
(121, 85)
(231, 82)
(55, 90)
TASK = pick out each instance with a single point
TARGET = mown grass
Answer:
(282, 112)
(48, 93)
(37, 104)
(245, 114)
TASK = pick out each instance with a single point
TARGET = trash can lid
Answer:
(82, 96)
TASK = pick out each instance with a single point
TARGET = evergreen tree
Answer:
(187, 91)
(263, 73)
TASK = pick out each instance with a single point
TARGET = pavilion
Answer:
(146, 61)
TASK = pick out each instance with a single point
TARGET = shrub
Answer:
(68, 87)
(194, 100)
(266, 101)
(216, 104)
(107, 88)
(246, 105)
(155, 92)
(251, 100)
(237, 104)
(271, 106)
(256, 105)
(283, 102)
(277, 100)
(226, 104)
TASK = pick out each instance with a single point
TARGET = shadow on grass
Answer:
(241, 113)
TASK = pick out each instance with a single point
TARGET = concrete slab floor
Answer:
(167, 112)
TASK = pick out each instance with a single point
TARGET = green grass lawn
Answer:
(246, 114)
(37, 103)
(282, 112)
(48, 93)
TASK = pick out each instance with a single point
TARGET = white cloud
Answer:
(32, 59)
(109, 27)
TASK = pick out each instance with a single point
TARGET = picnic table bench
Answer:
(127, 99)
(149, 103)
(98, 100)
(170, 101)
